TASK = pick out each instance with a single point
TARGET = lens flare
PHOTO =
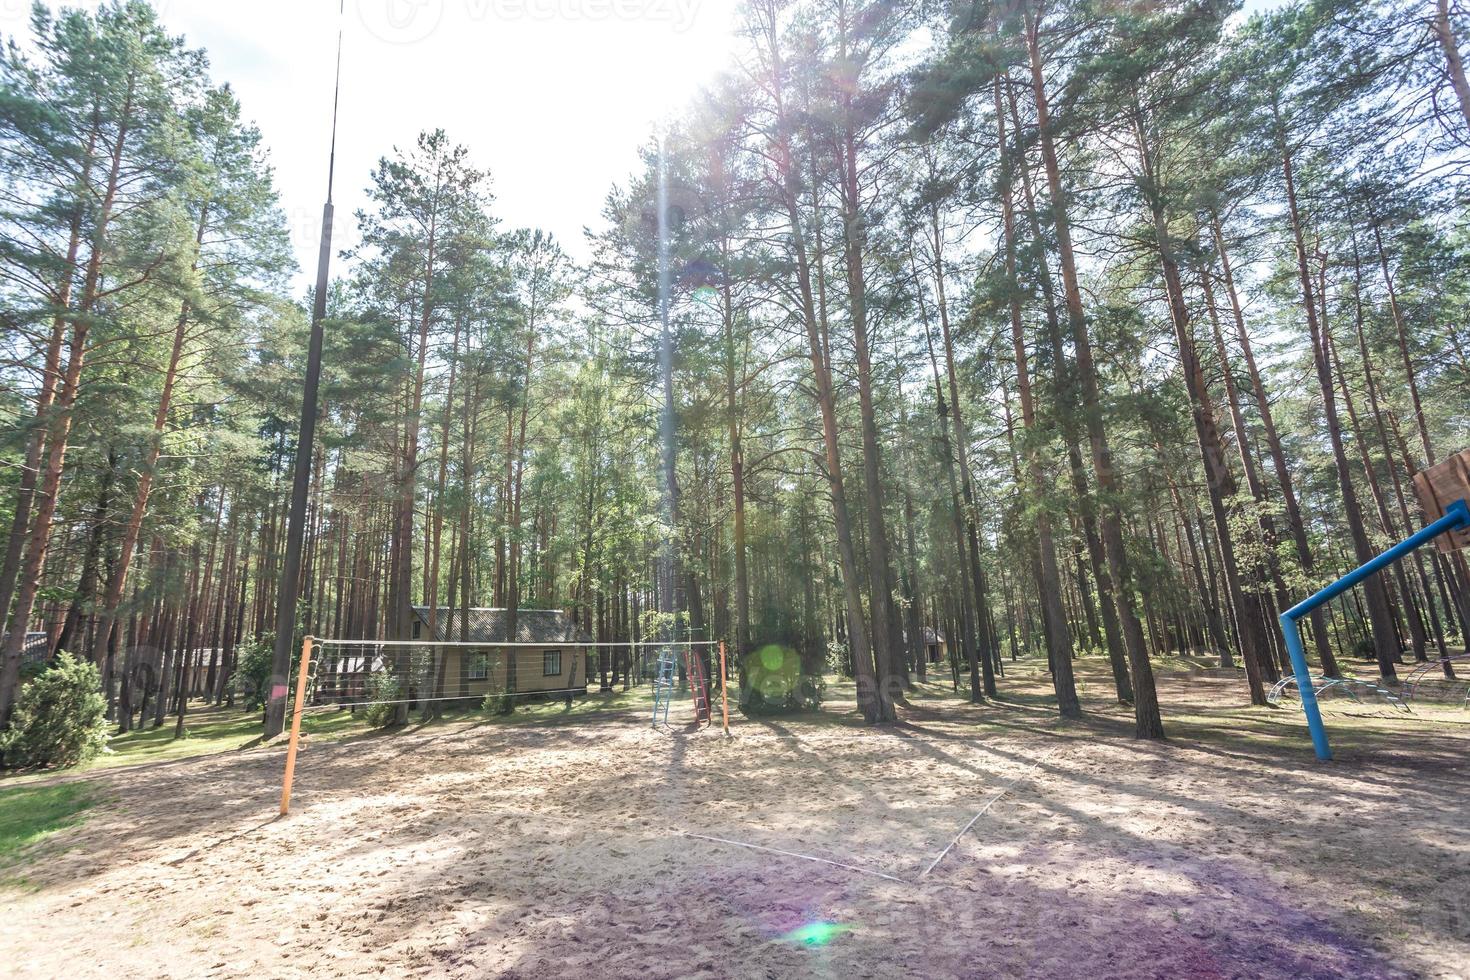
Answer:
(815, 933)
(774, 671)
(772, 657)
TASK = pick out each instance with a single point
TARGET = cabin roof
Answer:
(490, 626)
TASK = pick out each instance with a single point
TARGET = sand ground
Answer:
(474, 849)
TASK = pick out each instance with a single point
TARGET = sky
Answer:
(553, 97)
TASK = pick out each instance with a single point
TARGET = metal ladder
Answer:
(664, 681)
(694, 669)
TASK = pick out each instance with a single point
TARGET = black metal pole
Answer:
(286, 593)
(667, 564)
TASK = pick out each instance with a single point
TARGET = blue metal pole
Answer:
(1303, 673)
(1457, 516)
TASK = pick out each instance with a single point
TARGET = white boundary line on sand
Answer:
(804, 857)
(994, 799)
(1025, 774)
(559, 729)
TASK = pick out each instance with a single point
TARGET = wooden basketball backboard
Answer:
(1439, 487)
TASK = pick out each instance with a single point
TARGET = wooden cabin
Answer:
(555, 662)
(35, 649)
(935, 646)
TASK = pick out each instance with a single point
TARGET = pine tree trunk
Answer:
(885, 654)
(871, 698)
(1048, 582)
(1417, 638)
(734, 426)
(1102, 458)
(117, 581)
(965, 617)
(436, 531)
(400, 610)
(1294, 520)
(1385, 639)
(1454, 67)
(50, 376)
(72, 631)
(1220, 482)
(1401, 499)
(1066, 408)
(985, 634)
(59, 425)
(1254, 483)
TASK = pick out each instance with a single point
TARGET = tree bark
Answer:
(1049, 585)
(854, 224)
(984, 634)
(1294, 520)
(1454, 67)
(59, 427)
(1102, 457)
(1385, 639)
(872, 700)
(1067, 407)
(117, 582)
(1219, 480)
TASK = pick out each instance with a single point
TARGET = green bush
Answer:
(253, 672)
(497, 703)
(60, 717)
(381, 687)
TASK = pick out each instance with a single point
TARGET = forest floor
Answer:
(567, 845)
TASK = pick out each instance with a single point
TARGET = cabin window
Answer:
(416, 625)
(479, 667)
(551, 663)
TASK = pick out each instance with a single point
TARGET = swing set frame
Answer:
(1443, 491)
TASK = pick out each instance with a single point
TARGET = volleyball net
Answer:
(389, 679)
(354, 674)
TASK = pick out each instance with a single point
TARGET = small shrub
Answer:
(253, 672)
(381, 687)
(498, 703)
(60, 717)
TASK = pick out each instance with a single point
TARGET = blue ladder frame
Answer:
(663, 684)
(1456, 518)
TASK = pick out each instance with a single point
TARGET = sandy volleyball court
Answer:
(472, 849)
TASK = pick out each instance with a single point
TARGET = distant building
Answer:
(35, 649)
(554, 662)
(553, 659)
(935, 646)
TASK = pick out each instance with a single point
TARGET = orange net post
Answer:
(295, 726)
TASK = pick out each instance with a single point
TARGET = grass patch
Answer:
(30, 815)
(207, 731)
(1026, 699)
